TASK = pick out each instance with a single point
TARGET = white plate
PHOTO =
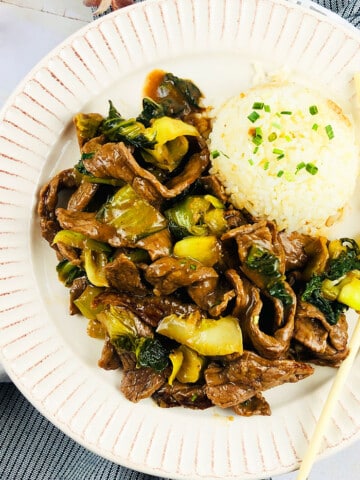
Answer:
(45, 351)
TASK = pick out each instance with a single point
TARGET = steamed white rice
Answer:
(294, 161)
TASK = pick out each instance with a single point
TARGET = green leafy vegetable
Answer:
(186, 89)
(84, 302)
(174, 97)
(263, 261)
(347, 260)
(336, 288)
(89, 177)
(67, 272)
(79, 240)
(94, 263)
(150, 110)
(267, 265)
(130, 131)
(203, 248)
(171, 144)
(203, 334)
(121, 327)
(87, 126)
(131, 215)
(278, 290)
(313, 294)
(196, 215)
(151, 353)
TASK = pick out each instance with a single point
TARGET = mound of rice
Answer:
(286, 154)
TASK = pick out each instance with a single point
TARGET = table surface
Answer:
(29, 29)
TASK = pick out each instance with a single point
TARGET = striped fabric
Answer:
(31, 448)
(349, 9)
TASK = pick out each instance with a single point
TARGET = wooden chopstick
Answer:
(329, 405)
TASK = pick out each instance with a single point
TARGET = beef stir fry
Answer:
(198, 303)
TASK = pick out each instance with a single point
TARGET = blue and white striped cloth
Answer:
(31, 448)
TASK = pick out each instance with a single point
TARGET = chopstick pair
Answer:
(340, 378)
(329, 405)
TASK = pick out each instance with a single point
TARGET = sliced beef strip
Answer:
(256, 405)
(321, 342)
(123, 275)
(304, 252)
(180, 394)
(140, 383)
(192, 170)
(211, 295)
(275, 342)
(213, 185)
(92, 146)
(167, 274)
(116, 160)
(149, 309)
(262, 234)
(82, 196)
(66, 252)
(157, 245)
(87, 224)
(128, 360)
(77, 287)
(141, 327)
(49, 199)
(294, 247)
(234, 218)
(109, 359)
(318, 255)
(239, 380)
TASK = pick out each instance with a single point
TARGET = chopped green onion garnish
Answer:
(329, 132)
(315, 126)
(313, 110)
(215, 153)
(258, 105)
(279, 157)
(272, 136)
(286, 112)
(288, 138)
(278, 151)
(253, 116)
(280, 173)
(311, 168)
(276, 125)
(300, 166)
(257, 139)
(256, 149)
(251, 161)
(266, 165)
(267, 108)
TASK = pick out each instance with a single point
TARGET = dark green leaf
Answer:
(150, 110)
(263, 261)
(347, 261)
(313, 295)
(278, 290)
(151, 353)
(67, 272)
